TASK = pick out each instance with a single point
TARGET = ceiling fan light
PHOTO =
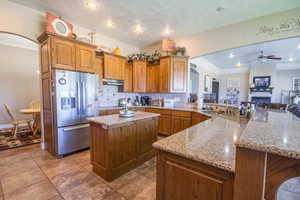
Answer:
(291, 59)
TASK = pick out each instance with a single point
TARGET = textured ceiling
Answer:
(247, 55)
(183, 17)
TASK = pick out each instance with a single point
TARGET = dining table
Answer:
(36, 114)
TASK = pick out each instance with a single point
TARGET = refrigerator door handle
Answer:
(76, 127)
(78, 97)
(83, 97)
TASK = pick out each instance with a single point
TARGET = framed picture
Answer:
(58, 26)
(207, 83)
(296, 83)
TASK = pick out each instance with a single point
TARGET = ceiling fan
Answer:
(264, 57)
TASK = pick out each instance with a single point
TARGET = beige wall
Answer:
(19, 80)
(25, 21)
(236, 35)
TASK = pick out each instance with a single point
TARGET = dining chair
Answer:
(19, 125)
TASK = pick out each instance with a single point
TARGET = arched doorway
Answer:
(20, 88)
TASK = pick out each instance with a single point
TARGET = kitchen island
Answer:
(222, 159)
(119, 145)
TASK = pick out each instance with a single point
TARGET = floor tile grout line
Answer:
(49, 180)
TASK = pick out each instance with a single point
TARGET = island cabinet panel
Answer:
(85, 59)
(122, 145)
(119, 149)
(165, 125)
(63, 54)
(179, 178)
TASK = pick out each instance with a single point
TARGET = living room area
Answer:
(265, 74)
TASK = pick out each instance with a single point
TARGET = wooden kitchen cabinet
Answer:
(198, 181)
(180, 123)
(114, 66)
(173, 74)
(152, 80)
(165, 125)
(58, 52)
(198, 118)
(128, 72)
(63, 54)
(85, 59)
(99, 66)
(139, 76)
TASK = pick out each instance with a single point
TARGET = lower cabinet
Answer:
(180, 123)
(121, 148)
(165, 125)
(198, 118)
(179, 178)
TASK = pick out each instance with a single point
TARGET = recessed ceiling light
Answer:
(291, 59)
(110, 24)
(138, 29)
(91, 4)
(167, 31)
(238, 64)
(231, 55)
(298, 46)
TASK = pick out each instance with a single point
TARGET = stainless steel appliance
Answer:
(75, 95)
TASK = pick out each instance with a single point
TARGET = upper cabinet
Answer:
(67, 53)
(128, 72)
(114, 66)
(173, 74)
(63, 54)
(99, 66)
(85, 58)
(152, 78)
(139, 76)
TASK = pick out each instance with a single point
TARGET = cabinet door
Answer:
(85, 59)
(128, 78)
(146, 134)
(179, 74)
(63, 54)
(109, 70)
(164, 75)
(123, 144)
(119, 68)
(139, 76)
(165, 125)
(186, 123)
(177, 124)
(99, 66)
(152, 84)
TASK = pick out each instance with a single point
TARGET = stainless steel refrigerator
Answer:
(75, 95)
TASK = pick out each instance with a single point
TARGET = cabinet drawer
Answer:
(179, 113)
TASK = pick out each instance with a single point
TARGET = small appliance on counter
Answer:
(125, 113)
(145, 101)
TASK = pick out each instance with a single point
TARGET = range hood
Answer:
(113, 82)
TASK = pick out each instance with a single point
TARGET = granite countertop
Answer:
(214, 141)
(197, 110)
(210, 142)
(273, 132)
(114, 120)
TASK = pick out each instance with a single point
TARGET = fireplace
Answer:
(261, 100)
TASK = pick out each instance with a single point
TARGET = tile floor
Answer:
(29, 173)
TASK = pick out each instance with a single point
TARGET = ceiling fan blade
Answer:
(275, 58)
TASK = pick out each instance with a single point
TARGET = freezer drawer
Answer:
(73, 138)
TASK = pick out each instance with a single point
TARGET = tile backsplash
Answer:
(108, 96)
